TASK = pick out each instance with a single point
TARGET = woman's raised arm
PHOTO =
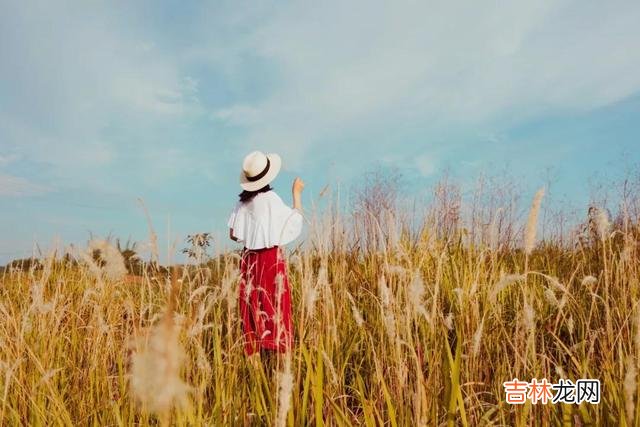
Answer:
(296, 190)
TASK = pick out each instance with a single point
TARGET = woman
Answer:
(263, 223)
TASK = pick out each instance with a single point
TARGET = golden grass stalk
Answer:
(285, 387)
(532, 222)
(630, 386)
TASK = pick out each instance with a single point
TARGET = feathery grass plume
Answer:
(323, 275)
(570, 324)
(383, 291)
(528, 322)
(26, 325)
(357, 316)
(629, 387)
(602, 223)
(416, 294)
(503, 283)
(551, 298)
(589, 281)
(156, 365)
(474, 289)
(448, 321)
(552, 281)
(310, 298)
(153, 237)
(113, 266)
(180, 320)
(197, 292)
(295, 261)
(202, 360)
(249, 288)
(459, 293)
(89, 296)
(388, 317)
(636, 329)
(532, 222)
(628, 250)
(285, 387)
(228, 289)
(199, 326)
(280, 288)
(390, 324)
(37, 297)
(103, 326)
(49, 374)
(235, 256)
(477, 338)
(48, 266)
(494, 238)
(88, 261)
(393, 235)
(328, 363)
(396, 269)
(155, 370)
(9, 370)
(529, 318)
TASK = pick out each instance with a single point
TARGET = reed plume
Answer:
(532, 222)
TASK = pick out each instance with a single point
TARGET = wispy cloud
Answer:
(15, 186)
(351, 65)
(104, 79)
(82, 84)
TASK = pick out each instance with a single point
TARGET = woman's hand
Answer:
(296, 189)
(298, 186)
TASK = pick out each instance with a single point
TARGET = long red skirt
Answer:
(265, 301)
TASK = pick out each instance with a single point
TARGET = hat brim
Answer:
(274, 168)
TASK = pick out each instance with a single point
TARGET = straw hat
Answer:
(258, 170)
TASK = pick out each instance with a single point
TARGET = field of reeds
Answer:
(403, 316)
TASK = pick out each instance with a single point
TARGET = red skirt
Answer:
(265, 301)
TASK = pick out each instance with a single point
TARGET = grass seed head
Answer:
(155, 370)
(532, 222)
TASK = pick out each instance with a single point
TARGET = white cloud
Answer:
(75, 72)
(6, 159)
(348, 65)
(238, 115)
(425, 164)
(16, 186)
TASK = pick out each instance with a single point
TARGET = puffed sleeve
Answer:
(237, 223)
(286, 222)
(292, 226)
(232, 217)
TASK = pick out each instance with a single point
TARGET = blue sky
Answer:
(105, 102)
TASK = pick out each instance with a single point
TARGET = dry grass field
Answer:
(398, 322)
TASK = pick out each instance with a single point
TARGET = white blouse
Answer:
(265, 221)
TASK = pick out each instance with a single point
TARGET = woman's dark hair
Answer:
(247, 196)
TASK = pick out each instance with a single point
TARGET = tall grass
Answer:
(397, 322)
